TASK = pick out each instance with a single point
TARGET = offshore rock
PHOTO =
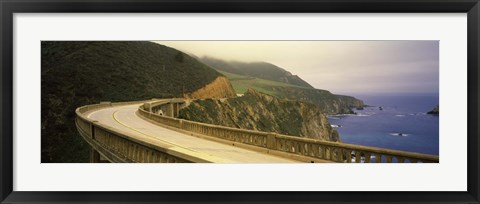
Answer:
(434, 111)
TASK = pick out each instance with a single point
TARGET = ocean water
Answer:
(402, 124)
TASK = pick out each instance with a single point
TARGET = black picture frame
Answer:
(10, 7)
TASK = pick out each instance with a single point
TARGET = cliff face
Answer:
(329, 103)
(257, 111)
(219, 88)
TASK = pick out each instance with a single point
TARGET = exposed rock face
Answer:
(435, 110)
(257, 111)
(329, 103)
(219, 88)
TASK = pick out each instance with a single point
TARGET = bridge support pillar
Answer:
(94, 156)
(176, 110)
(170, 110)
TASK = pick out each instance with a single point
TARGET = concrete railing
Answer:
(318, 149)
(118, 146)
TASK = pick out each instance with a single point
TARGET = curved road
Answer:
(125, 119)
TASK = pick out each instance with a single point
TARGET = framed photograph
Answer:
(256, 102)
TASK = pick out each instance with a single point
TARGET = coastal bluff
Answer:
(262, 112)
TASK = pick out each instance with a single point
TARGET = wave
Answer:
(419, 113)
(336, 125)
(340, 115)
(399, 134)
(410, 114)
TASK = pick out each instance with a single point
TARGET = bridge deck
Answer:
(125, 119)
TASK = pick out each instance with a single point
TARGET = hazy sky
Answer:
(338, 66)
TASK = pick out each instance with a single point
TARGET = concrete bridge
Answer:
(149, 131)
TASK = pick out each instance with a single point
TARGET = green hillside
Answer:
(79, 73)
(328, 102)
(261, 70)
(242, 83)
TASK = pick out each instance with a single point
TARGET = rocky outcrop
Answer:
(219, 88)
(435, 111)
(329, 103)
(257, 111)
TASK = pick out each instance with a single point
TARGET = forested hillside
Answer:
(74, 74)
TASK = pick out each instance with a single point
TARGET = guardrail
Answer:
(118, 146)
(324, 150)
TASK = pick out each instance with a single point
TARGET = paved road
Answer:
(126, 119)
